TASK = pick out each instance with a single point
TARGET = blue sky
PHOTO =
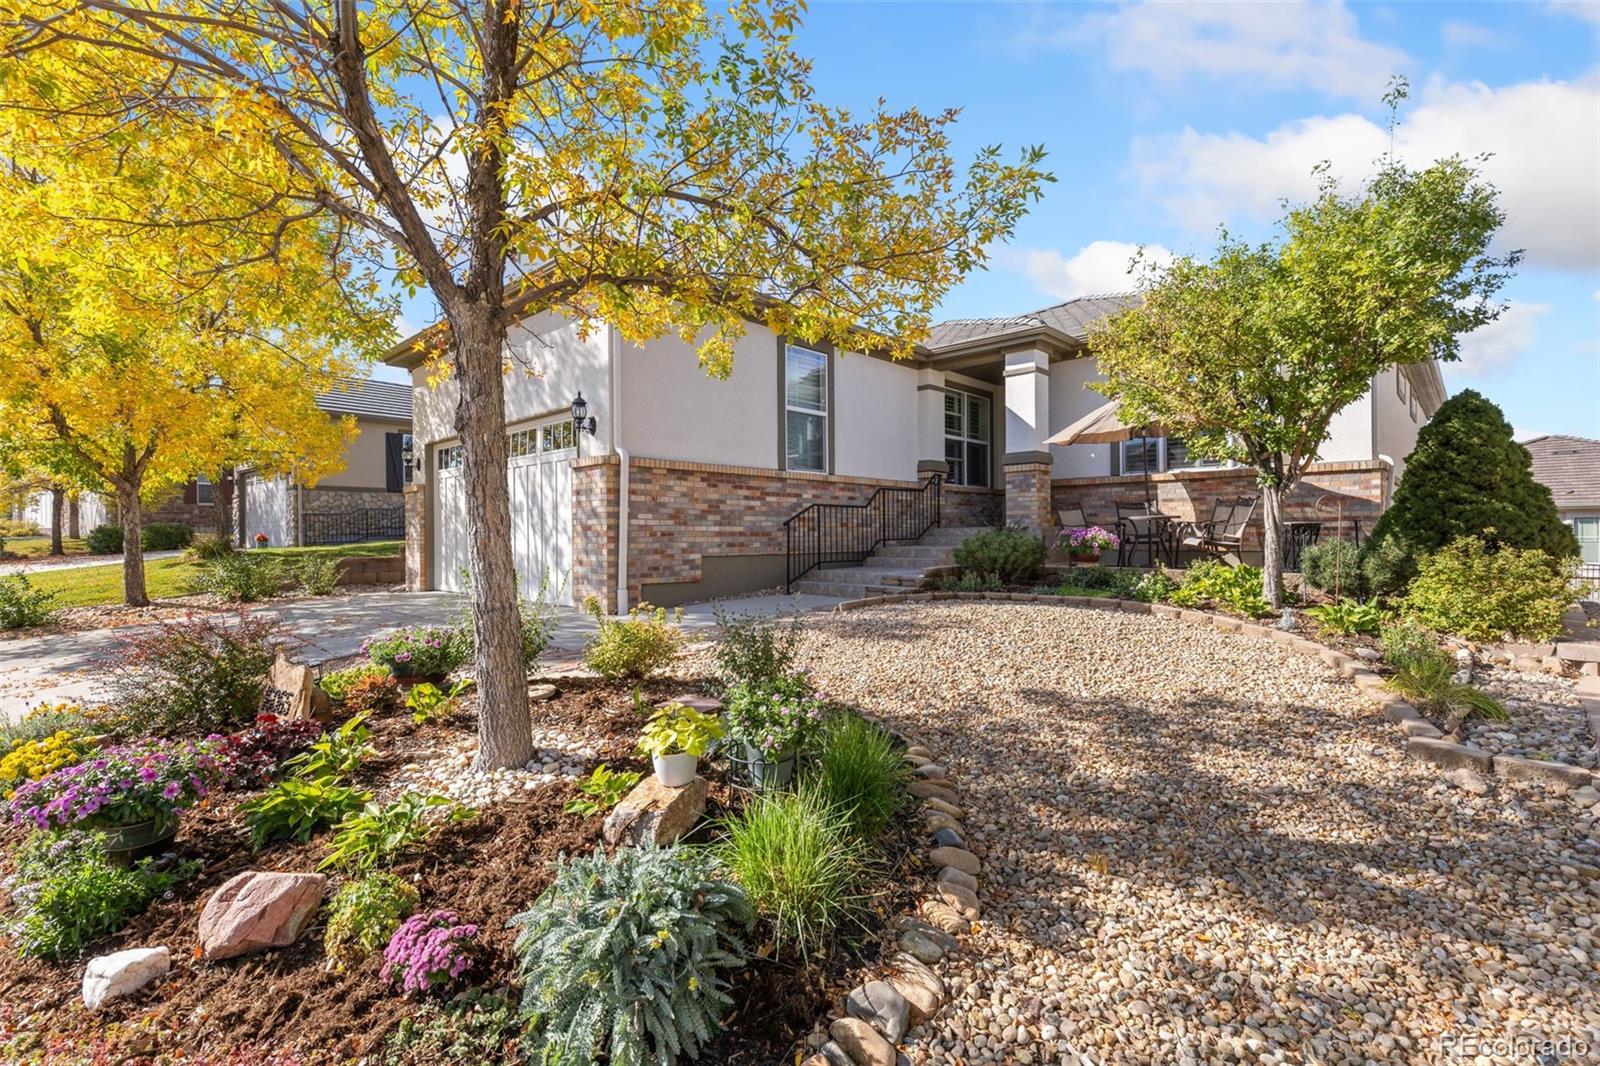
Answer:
(1165, 120)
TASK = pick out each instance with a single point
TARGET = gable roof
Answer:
(370, 399)
(1068, 321)
(1570, 466)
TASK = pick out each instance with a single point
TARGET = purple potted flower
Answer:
(420, 653)
(1085, 544)
(133, 792)
(772, 722)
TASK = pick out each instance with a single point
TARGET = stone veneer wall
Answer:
(1028, 495)
(1361, 488)
(328, 499)
(417, 555)
(680, 512)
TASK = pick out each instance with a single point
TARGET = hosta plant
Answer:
(602, 790)
(363, 916)
(1347, 617)
(379, 832)
(336, 753)
(624, 956)
(295, 808)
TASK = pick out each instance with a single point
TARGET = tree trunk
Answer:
(58, 499)
(133, 590)
(505, 737)
(1272, 497)
(222, 505)
(74, 518)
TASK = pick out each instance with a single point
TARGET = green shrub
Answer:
(1211, 583)
(1386, 566)
(1465, 476)
(971, 582)
(624, 956)
(799, 862)
(1333, 566)
(859, 772)
(192, 678)
(755, 649)
(1011, 556)
(46, 720)
(1470, 590)
(472, 1026)
(338, 683)
(602, 790)
(317, 574)
(68, 894)
(1425, 674)
(165, 536)
(1348, 616)
(427, 701)
(634, 647)
(294, 808)
(242, 577)
(1151, 586)
(364, 914)
(1402, 640)
(104, 540)
(22, 605)
(380, 832)
(18, 528)
(208, 546)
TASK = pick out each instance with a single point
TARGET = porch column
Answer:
(930, 424)
(1027, 458)
(414, 498)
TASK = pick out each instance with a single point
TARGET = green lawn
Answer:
(91, 586)
(39, 547)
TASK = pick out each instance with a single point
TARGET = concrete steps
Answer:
(897, 566)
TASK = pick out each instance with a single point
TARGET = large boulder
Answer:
(655, 814)
(122, 973)
(257, 911)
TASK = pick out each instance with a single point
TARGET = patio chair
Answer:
(1072, 517)
(1128, 532)
(1194, 534)
(1227, 538)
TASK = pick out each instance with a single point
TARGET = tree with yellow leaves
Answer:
(652, 164)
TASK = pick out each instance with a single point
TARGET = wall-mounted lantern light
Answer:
(582, 420)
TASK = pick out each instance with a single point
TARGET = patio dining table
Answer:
(1156, 532)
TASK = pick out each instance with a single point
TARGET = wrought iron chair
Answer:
(1072, 517)
(1192, 537)
(1227, 537)
(1131, 534)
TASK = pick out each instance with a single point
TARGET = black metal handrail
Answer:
(835, 534)
(353, 527)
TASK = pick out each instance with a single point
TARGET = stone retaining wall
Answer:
(372, 570)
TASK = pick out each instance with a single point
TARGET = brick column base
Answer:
(594, 532)
(416, 546)
(1028, 496)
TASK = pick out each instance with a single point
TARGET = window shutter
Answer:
(191, 493)
(393, 469)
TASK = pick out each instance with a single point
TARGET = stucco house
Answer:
(1570, 467)
(361, 502)
(683, 490)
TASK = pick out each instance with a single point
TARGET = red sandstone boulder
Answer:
(257, 911)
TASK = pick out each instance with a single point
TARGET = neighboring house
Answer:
(78, 515)
(361, 502)
(1570, 467)
(683, 491)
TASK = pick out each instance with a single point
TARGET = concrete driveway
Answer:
(72, 666)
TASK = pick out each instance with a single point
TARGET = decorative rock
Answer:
(1398, 711)
(962, 899)
(1587, 796)
(948, 837)
(932, 771)
(967, 881)
(943, 807)
(542, 693)
(959, 858)
(862, 1043)
(654, 813)
(1448, 755)
(703, 704)
(934, 821)
(1468, 781)
(1557, 775)
(122, 973)
(256, 910)
(877, 1003)
(930, 790)
(1417, 727)
(834, 1055)
(916, 944)
(907, 923)
(945, 917)
(921, 752)
(920, 986)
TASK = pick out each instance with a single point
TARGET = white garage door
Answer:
(539, 474)
(266, 510)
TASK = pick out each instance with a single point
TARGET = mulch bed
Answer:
(287, 1003)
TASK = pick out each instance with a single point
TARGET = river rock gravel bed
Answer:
(1547, 721)
(1205, 847)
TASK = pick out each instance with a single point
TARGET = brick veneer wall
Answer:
(680, 512)
(1361, 488)
(417, 544)
(1028, 495)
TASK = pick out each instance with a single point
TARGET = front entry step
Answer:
(899, 566)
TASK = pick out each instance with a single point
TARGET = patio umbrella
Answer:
(1104, 425)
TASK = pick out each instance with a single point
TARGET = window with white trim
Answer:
(1400, 384)
(1156, 454)
(805, 407)
(204, 492)
(449, 458)
(1588, 533)
(966, 438)
(557, 436)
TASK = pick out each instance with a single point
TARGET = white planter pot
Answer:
(675, 771)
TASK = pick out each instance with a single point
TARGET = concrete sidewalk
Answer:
(52, 562)
(72, 666)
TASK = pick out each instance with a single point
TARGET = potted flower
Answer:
(133, 792)
(772, 721)
(675, 738)
(261, 540)
(1085, 544)
(419, 653)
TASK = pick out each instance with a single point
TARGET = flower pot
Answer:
(1085, 557)
(768, 771)
(675, 771)
(408, 680)
(127, 844)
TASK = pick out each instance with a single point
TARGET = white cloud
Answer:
(1583, 9)
(1293, 44)
(1496, 346)
(1098, 267)
(1458, 34)
(1544, 136)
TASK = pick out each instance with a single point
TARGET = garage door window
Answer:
(558, 436)
(450, 458)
